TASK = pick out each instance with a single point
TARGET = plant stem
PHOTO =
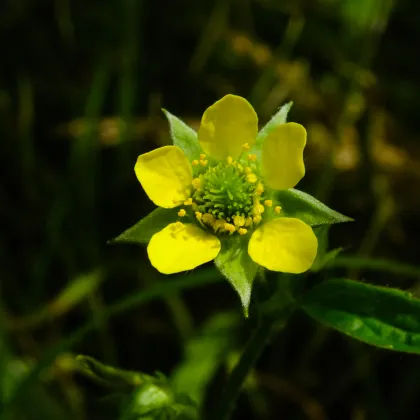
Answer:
(253, 350)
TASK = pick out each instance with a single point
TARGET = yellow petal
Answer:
(165, 175)
(285, 244)
(282, 156)
(226, 126)
(181, 247)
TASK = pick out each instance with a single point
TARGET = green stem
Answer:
(255, 346)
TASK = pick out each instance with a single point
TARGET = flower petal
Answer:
(226, 126)
(165, 175)
(285, 244)
(282, 156)
(180, 247)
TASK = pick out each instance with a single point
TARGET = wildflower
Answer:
(226, 196)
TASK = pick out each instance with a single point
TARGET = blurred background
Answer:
(81, 87)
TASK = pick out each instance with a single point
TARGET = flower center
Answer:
(227, 196)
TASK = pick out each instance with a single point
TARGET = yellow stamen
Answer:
(242, 231)
(202, 156)
(196, 183)
(229, 160)
(258, 209)
(248, 221)
(240, 167)
(252, 157)
(268, 203)
(246, 146)
(208, 218)
(234, 163)
(198, 215)
(238, 220)
(277, 209)
(188, 202)
(229, 227)
(203, 162)
(195, 162)
(252, 178)
(219, 225)
(256, 219)
(260, 189)
(182, 213)
(248, 170)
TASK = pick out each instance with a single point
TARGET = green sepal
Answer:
(280, 117)
(380, 316)
(183, 136)
(142, 231)
(323, 256)
(237, 266)
(295, 203)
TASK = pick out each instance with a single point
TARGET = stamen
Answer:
(242, 231)
(198, 215)
(196, 183)
(202, 156)
(277, 209)
(252, 157)
(238, 220)
(268, 203)
(229, 160)
(229, 227)
(182, 213)
(248, 170)
(256, 219)
(188, 202)
(260, 189)
(246, 146)
(252, 178)
(203, 162)
(195, 162)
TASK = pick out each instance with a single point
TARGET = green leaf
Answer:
(237, 266)
(278, 118)
(380, 316)
(203, 355)
(143, 230)
(183, 136)
(295, 203)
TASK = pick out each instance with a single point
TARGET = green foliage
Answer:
(380, 316)
(237, 266)
(203, 355)
(295, 203)
(183, 136)
(143, 230)
(280, 117)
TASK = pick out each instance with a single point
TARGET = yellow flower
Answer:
(226, 196)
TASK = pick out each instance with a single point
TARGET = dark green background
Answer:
(81, 87)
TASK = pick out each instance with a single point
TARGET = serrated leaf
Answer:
(280, 117)
(183, 136)
(295, 203)
(143, 230)
(383, 317)
(237, 266)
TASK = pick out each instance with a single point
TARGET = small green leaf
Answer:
(183, 136)
(278, 118)
(295, 203)
(203, 355)
(237, 266)
(379, 316)
(143, 230)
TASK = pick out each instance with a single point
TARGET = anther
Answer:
(196, 183)
(252, 178)
(256, 219)
(203, 162)
(195, 162)
(229, 160)
(188, 202)
(242, 231)
(248, 170)
(182, 213)
(246, 146)
(252, 157)
(208, 218)
(229, 227)
(198, 215)
(202, 156)
(260, 189)
(277, 209)
(268, 203)
(238, 220)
